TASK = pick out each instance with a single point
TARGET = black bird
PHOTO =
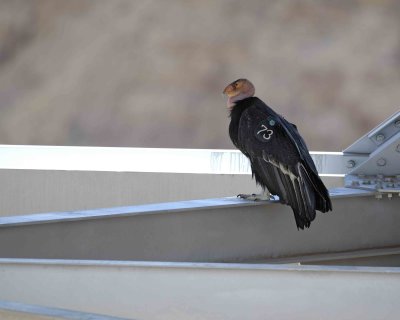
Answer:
(280, 161)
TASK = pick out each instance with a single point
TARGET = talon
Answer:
(244, 196)
(256, 197)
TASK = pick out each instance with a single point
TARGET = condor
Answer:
(280, 161)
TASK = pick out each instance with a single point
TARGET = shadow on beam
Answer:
(21, 311)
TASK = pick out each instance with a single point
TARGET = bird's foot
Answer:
(265, 196)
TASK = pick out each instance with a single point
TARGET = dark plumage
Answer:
(280, 160)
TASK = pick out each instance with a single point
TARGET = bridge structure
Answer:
(136, 233)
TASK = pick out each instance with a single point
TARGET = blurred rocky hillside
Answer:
(150, 73)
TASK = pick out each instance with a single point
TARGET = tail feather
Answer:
(300, 197)
(296, 186)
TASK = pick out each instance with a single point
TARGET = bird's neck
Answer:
(232, 100)
(238, 107)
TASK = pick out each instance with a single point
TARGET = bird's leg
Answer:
(263, 196)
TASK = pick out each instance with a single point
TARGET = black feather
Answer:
(280, 160)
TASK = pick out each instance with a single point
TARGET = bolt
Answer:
(380, 137)
(397, 123)
(381, 162)
(351, 164)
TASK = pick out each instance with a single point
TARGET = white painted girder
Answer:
(205, 161)
(187, 291)
(211, 230)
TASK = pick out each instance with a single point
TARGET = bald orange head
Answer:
(238, 90)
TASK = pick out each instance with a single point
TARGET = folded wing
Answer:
(281, 162)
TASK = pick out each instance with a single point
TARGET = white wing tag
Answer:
(265, 133)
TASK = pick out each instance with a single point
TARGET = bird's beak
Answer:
(227, 91)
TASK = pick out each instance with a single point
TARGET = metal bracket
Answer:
(374, 159)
